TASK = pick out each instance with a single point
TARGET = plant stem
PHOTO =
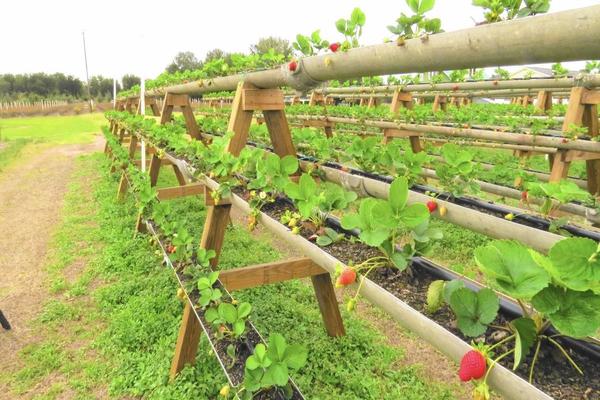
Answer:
(494, 362)
(535, 357)
(506, 339)
(554, 342)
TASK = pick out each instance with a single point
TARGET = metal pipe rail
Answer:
(563, 36)
(494, 136)
(480, 93)
(589, 81)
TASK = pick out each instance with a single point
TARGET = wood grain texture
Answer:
(262, 99)
(187, 342)
(265, 274)
(279, 131)
(332, 319)
(591, 97)
(239, 121)
(191, 189)
(213, 234)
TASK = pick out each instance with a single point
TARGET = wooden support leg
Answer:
(328, 305)
(560, 168)
(123, 184)
(187, 342)
(279, 130)
(180, 178)
(415, 144)
(213, 235)
(122, 187)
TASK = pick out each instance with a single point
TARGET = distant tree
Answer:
(281, 46)
(130, 81)
(101, 87)
(214, 54)
(184, 61)
(39, 86)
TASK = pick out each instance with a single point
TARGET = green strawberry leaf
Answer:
(474, 311)
(525, 337)
(510, 267)
(573, 313)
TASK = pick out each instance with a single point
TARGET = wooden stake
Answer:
(187, 342)
(334, 325)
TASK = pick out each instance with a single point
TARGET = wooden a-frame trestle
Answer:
(271, 102)
(247, 100)
(582, 112)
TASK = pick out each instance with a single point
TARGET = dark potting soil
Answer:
(553, 374)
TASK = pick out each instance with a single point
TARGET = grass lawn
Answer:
(55, 129)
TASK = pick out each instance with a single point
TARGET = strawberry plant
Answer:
(381, 223)
(311, 45)
(498, 10)
(563, 288)
(329, 236)
(408, 27)
(555, 194)
(559, 71)
(458, 172)
(271, 177)
(404, 163)
(209, 294)
(271, 366)
(305, 194)
(229, 319)
(183, 243)
(351, 28)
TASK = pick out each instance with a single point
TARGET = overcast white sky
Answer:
(142, 37)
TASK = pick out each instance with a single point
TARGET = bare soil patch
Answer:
(31, 198)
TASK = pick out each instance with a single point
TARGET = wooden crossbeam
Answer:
(414, 137)
(191, 189)
(262, 99)
(266, 274)
(574, 155)
(591, 97)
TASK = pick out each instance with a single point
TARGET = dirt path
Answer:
(31, 198)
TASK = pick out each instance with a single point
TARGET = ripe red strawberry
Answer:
(347, 277)
(431, 205)
(472, 366)
(293, 65)
(334, 47)
(524, 195)
(455, 88)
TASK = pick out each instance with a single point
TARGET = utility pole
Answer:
(114, 92)
(87, 76)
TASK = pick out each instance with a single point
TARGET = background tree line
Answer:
(58, 86)
(187, 60)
